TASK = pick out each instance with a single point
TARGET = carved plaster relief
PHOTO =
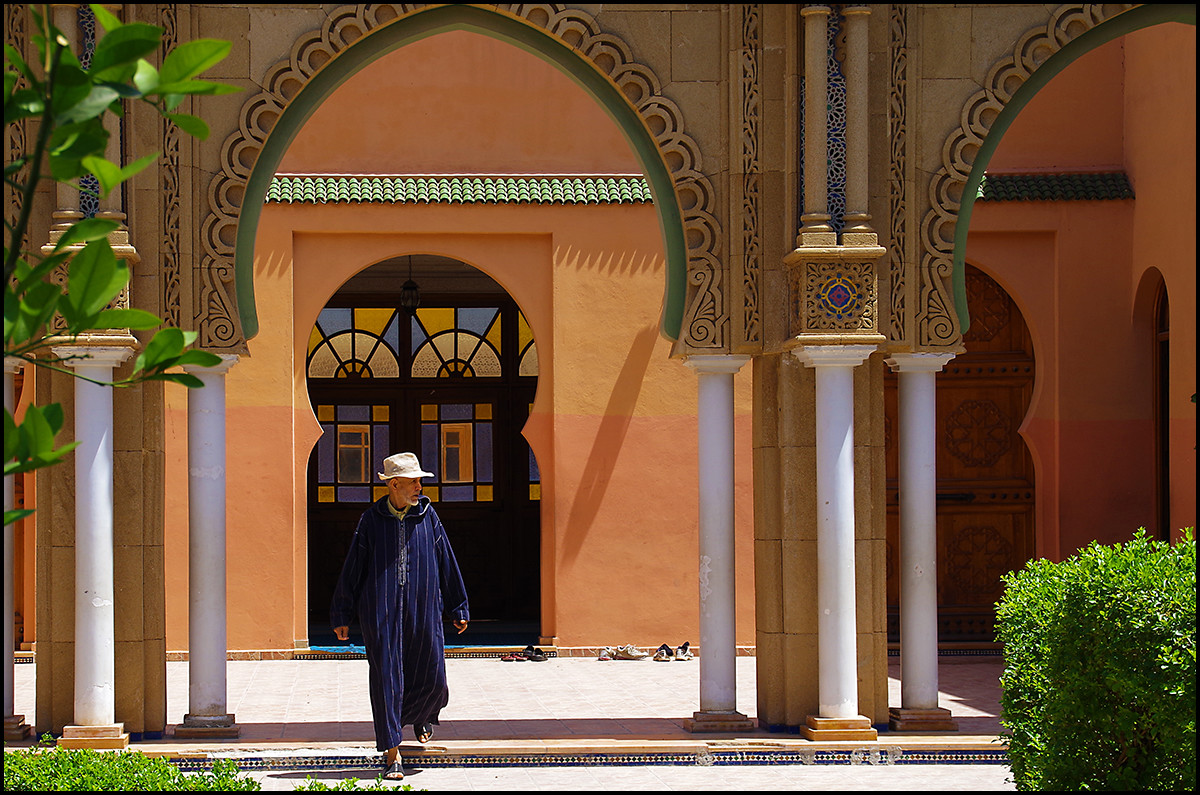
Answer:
(706, 319)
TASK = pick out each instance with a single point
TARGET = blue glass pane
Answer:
(354, 494)
(458, 494)
(354, 413)
(429, 450)
(418, 335)
(391, 335)
(332, 321)
(458, 411)
(325, 466)
(477, 319)
(483, 452)
(380, 442)
(534, 475)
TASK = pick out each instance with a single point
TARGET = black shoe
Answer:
(664, 654)
(534, 655)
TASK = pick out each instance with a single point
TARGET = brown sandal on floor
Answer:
(395, 772)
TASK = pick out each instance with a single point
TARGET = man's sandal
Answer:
(424, 732)
(395, 772)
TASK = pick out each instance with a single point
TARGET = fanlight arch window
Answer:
(437, 342)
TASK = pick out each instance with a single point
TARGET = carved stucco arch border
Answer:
(695, 286)
(936, 324)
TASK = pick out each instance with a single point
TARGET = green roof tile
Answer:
(458, 190)
(1105, 186)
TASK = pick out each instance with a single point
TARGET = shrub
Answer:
(1099, 681)
(64, 769)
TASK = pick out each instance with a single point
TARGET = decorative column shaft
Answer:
(15, 727)
(207, 646)
(815, 229)
(918, 544)
(95, 638)
(857, 230)
(836, 609)
(718, 645)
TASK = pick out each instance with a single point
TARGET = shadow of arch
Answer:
(568, 39)
(1011, 83)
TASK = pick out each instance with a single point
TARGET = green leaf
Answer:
(117, 53)
(16, 515)
(93, 104)
(195, 87)
(110, 174)
(145, 78)
(191, 58)
(165, 345)
(127, 318)
(192, 125)
(106, 18)
(95, 278)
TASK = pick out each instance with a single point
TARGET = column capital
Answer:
(83, 355)
(814, 8)
(716, 363)
(918, 362)
(228, 360)
(13, 363)
(833, 355)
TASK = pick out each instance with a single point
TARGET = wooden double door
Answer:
(985, 479)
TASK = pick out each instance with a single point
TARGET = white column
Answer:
(207, 649)
(718, 645)
(918, 541)
(95, 641)
(836, 625)
(15, 727)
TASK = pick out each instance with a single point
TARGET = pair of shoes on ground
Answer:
(530, 653)
(664, 653)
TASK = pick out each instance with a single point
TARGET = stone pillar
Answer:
(815, 229)
(919, 710)
(857, 231)
(95, 635)
(838, 717)
(207, 648)
(718, 646)
(15, 727)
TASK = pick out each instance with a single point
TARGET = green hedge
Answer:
(48, 769)
(1099, 681)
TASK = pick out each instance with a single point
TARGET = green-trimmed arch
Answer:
(423, 23)
(1136, 18)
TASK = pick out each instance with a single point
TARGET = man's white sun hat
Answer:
(403, 465)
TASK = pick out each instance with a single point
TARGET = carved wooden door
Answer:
(985, 482)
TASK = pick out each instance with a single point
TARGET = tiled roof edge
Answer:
(1098, 186)
(318, 189)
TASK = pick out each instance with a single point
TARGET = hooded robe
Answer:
(400, 578)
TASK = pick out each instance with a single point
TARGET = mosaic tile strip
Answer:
(1104, 186)
(459, 190)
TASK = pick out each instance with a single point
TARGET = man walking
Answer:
(400, 578)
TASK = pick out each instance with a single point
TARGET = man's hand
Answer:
(461, 626)
(343, 633)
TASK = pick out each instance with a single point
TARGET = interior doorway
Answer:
(985, 478)
(453, 381)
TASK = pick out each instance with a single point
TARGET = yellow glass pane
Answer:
(483, 411)
(325, 414)
(483, 493)
(429, 412)
(314, 339)
(436, 320)
(431, 492)
(323, 364)
(535, 491)
(493, 335)
(373, 320)
(525, 332)
(379, 413)
(379, 491)
(325, 494)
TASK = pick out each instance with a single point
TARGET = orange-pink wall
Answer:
(1075, 268)
(613, 426)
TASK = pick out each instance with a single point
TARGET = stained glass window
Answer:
(456, 444)
(354, 441)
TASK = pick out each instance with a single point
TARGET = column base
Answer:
(719, 722)
(818, 728)
(938, 719)
(109, 737)
(15, 728)
(208, 727)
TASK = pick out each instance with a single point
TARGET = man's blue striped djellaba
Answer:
(401, 578)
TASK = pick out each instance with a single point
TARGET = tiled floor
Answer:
(579, 705)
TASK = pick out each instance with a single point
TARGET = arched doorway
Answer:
(454, 382)
(985, 478)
